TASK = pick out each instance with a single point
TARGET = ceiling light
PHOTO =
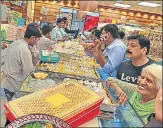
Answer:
(148, 4)
(122, 5)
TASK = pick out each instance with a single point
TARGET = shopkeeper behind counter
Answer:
(18, 62)
(58, 33)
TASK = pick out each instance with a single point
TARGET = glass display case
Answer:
(86, 24)
(121, 116)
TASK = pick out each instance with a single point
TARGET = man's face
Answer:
(66, 22)
(34, 40)
(134, 49)
(61, 25)
(105, 36)
(93, 37)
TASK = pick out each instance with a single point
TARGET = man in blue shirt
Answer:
(113, 54)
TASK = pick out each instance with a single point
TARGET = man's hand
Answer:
(98, 54)
(97, 47)
(65, 38)
(50, 48)
(88, 46)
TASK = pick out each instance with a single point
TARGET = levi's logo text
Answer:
(129, 78)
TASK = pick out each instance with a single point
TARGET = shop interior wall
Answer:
(53, 10)
(21, 9)
(106, 12)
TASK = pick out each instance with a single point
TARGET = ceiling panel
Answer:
(135, 6)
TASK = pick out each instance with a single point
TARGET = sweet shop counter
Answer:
(46, 91)
(39, 80)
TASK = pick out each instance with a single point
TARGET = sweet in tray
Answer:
(96, 86)
(78, 59)
(40, 75)
(70, 68)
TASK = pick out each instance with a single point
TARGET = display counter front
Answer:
(110, 114)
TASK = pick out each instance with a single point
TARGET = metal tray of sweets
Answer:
(49, 68)
(78, 59)
(31, 84)
(66, 56)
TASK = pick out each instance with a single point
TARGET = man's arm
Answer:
(100, 58)
(97, 52)
(53, 34)
(115, 59)
(70, 31)
(26, 59)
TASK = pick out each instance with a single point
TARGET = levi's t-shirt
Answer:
(129, 73)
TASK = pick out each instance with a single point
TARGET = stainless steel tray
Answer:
(93, 68)
(28, 86)
(70, 57)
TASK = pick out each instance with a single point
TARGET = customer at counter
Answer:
(137, 51)
(114, 52)
(18, 63)
(121, 35)
(141, 97)
(45, 41)
(58, 34)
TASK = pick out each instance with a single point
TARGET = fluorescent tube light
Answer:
(122, 5)
(148, 4)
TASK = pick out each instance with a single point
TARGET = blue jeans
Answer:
(7, 94)
(3, 93)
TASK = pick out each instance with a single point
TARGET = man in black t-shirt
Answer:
(137, 51)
